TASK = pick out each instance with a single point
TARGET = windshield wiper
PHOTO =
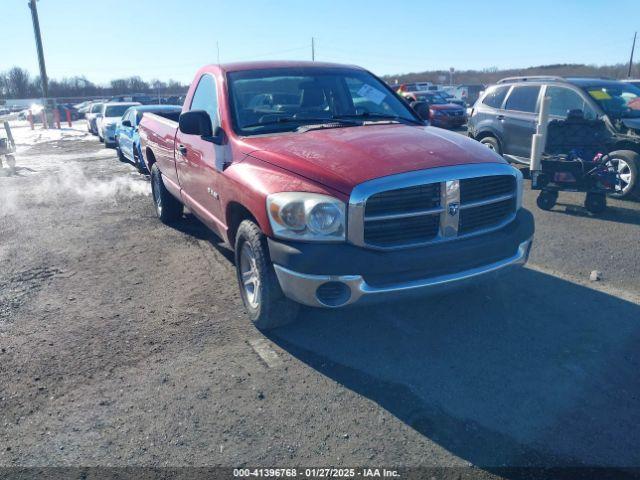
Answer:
(379, 116)
(308, 121)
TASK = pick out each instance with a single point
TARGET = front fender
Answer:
(250, 181)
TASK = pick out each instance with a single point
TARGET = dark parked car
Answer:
(450, 98)
(442, 113)
(504, 118)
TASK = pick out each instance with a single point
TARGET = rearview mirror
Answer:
(198, 122)
(422, 109)
(126, 123)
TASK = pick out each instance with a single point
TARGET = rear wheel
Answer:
(492, 144)
(259, 287)
(168, 208)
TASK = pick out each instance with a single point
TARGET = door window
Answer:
(523, 99)
(563, 100)
(495, 96)
(206, 98)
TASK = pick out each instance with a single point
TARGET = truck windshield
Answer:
(283, 99)
(618, 101)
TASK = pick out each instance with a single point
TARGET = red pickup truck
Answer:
(330, 189)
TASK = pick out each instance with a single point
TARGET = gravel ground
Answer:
(123, 342)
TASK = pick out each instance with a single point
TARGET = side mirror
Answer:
(422, 109)
(198, 122)
(126, 123)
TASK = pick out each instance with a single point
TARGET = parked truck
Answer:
(330, 189)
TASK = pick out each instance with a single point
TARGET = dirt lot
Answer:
(123, 342)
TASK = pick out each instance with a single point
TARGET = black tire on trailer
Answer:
(260, 290)
(492, 143)
(168, 208)
(595, 203)
(547, 200)
(627, 162)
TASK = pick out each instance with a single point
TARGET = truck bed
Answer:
(157, 141)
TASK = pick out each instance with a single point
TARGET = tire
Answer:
(595, 203)
(100, 138)
(627, 162)
(492, 143)
(168, 208)
(121, 156)
(260, 290)
(137, 159)
(547, 200)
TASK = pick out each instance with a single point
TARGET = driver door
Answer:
(198, 170)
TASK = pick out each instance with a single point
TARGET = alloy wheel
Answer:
(624, 171)
(249, 275)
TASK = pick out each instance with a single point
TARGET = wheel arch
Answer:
(149, 158)
(235, 214)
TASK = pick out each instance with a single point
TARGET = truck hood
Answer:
(341, 158)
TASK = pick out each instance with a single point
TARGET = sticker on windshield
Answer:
(599, 94)
(370, 93)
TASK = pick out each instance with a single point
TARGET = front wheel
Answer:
(121, 156)
(168, 208)
(492, 144)
(626, 163)
(259, 287)
(137, 159)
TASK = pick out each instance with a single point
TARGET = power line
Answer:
(633, 47)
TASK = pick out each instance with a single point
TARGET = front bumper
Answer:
(370, 275)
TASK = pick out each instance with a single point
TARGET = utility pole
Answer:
(313, 49)
(36, 31)
(633, 47)
(218, 51)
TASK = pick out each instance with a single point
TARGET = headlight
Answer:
(306, 216)
(519, 187)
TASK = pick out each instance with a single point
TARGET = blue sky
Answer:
(105, 39)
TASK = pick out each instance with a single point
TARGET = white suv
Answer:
(106, 122)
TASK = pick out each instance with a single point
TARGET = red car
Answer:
(330, 189)
(443, 113)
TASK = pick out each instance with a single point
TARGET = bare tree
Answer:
(18, 81)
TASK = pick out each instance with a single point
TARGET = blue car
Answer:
(127, 138)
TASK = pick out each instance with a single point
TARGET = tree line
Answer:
(488, 76)
(18, 83)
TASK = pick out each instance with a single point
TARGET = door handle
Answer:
(500, 117)
(182, 149)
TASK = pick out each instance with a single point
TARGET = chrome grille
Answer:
(484, 216)
(473, 189)
(404, 200)
(432, 205)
